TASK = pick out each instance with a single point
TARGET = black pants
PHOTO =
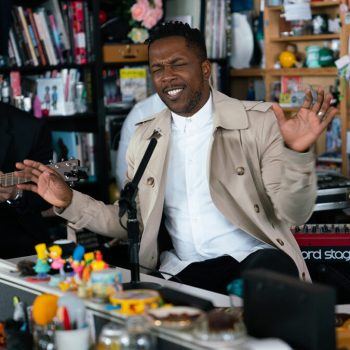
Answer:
(215, 274)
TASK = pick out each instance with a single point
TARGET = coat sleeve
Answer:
(94, 215)
(87, 212)
(288, 176)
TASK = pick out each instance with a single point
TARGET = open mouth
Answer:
(173, 94)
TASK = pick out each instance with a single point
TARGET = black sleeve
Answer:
(41, 150)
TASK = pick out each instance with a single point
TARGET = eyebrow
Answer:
(172, 61)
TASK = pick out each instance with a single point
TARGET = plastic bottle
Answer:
(5, 92)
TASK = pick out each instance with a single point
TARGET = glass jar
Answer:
(111, 337)
(139, 335)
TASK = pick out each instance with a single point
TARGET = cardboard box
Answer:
(115, 53)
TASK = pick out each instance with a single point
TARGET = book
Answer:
(66, 145)
(51, 94)
(26, 34)
(15, 82)
(41, 53)
(290, 85)
(15, 48)
(53, 7)
(20, 37)
(79, 32)
(133, 84)
(56, 37)
(44, 34)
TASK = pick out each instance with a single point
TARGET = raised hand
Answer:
(302, 130)
(46, 182)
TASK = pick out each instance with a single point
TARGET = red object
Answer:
(102, 16)
(66, 320)
(322, 239)
(45, 112)
(37, 279)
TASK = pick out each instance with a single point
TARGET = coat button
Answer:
(279, 240)
(150, 181)
(256, 208)
(303, 276)
(240, 170)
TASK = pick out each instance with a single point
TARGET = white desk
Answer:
(12, 284)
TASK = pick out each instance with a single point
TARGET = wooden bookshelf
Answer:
(275, 43)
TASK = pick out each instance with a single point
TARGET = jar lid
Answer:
(112, 330)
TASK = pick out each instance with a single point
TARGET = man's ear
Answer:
(206, 69)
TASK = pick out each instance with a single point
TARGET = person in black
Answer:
(21, 223)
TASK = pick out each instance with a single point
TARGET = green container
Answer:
(325, 57)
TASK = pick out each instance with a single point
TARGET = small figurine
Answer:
(57, 261)
(89, 258)
(98, 263)
(41, 267)
(77, 260)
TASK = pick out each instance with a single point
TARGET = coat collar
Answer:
(229, 113)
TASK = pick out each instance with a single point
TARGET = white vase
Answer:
(242, 42)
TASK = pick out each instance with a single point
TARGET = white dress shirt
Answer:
(197, 228)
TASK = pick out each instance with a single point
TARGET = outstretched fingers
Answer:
(325, 108)
(307, 103)
(328, 116)
(281, 118)
(319, 101)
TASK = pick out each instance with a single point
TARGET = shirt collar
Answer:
(198, 120)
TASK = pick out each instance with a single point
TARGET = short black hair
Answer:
(193, 36)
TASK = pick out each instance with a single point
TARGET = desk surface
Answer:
(218, 300)
(182, 340)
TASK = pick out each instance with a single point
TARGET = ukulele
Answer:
(69, 170)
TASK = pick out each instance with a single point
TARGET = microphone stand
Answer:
(127, 203)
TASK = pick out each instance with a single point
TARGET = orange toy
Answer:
(44, 309)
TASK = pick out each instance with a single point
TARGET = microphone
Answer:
(129, 192)
(127, 203)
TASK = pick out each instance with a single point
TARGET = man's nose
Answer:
(168, 73)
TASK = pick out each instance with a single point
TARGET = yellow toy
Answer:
(287, 59)
(98, 263)
(41, 251)
(135, 302)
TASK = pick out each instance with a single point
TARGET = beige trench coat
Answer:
(257, 183)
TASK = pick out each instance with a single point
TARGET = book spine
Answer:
(15, 48)
(46, 37)
(62, 29)
(20, 38)
(15, 82)
(67, 12)
(79, 32)
(12, 57)
(27, 35)
(42, 57)
(56, 37)
(87, 32)
(37, 20)
(49, 30)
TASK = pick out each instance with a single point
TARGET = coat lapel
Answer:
(230, 175)
(153, 181)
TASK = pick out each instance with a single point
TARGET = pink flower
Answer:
(139, 10)
(158, 3)
(151, 18)
(158, 12)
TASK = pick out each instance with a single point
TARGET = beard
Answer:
(188, 108)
